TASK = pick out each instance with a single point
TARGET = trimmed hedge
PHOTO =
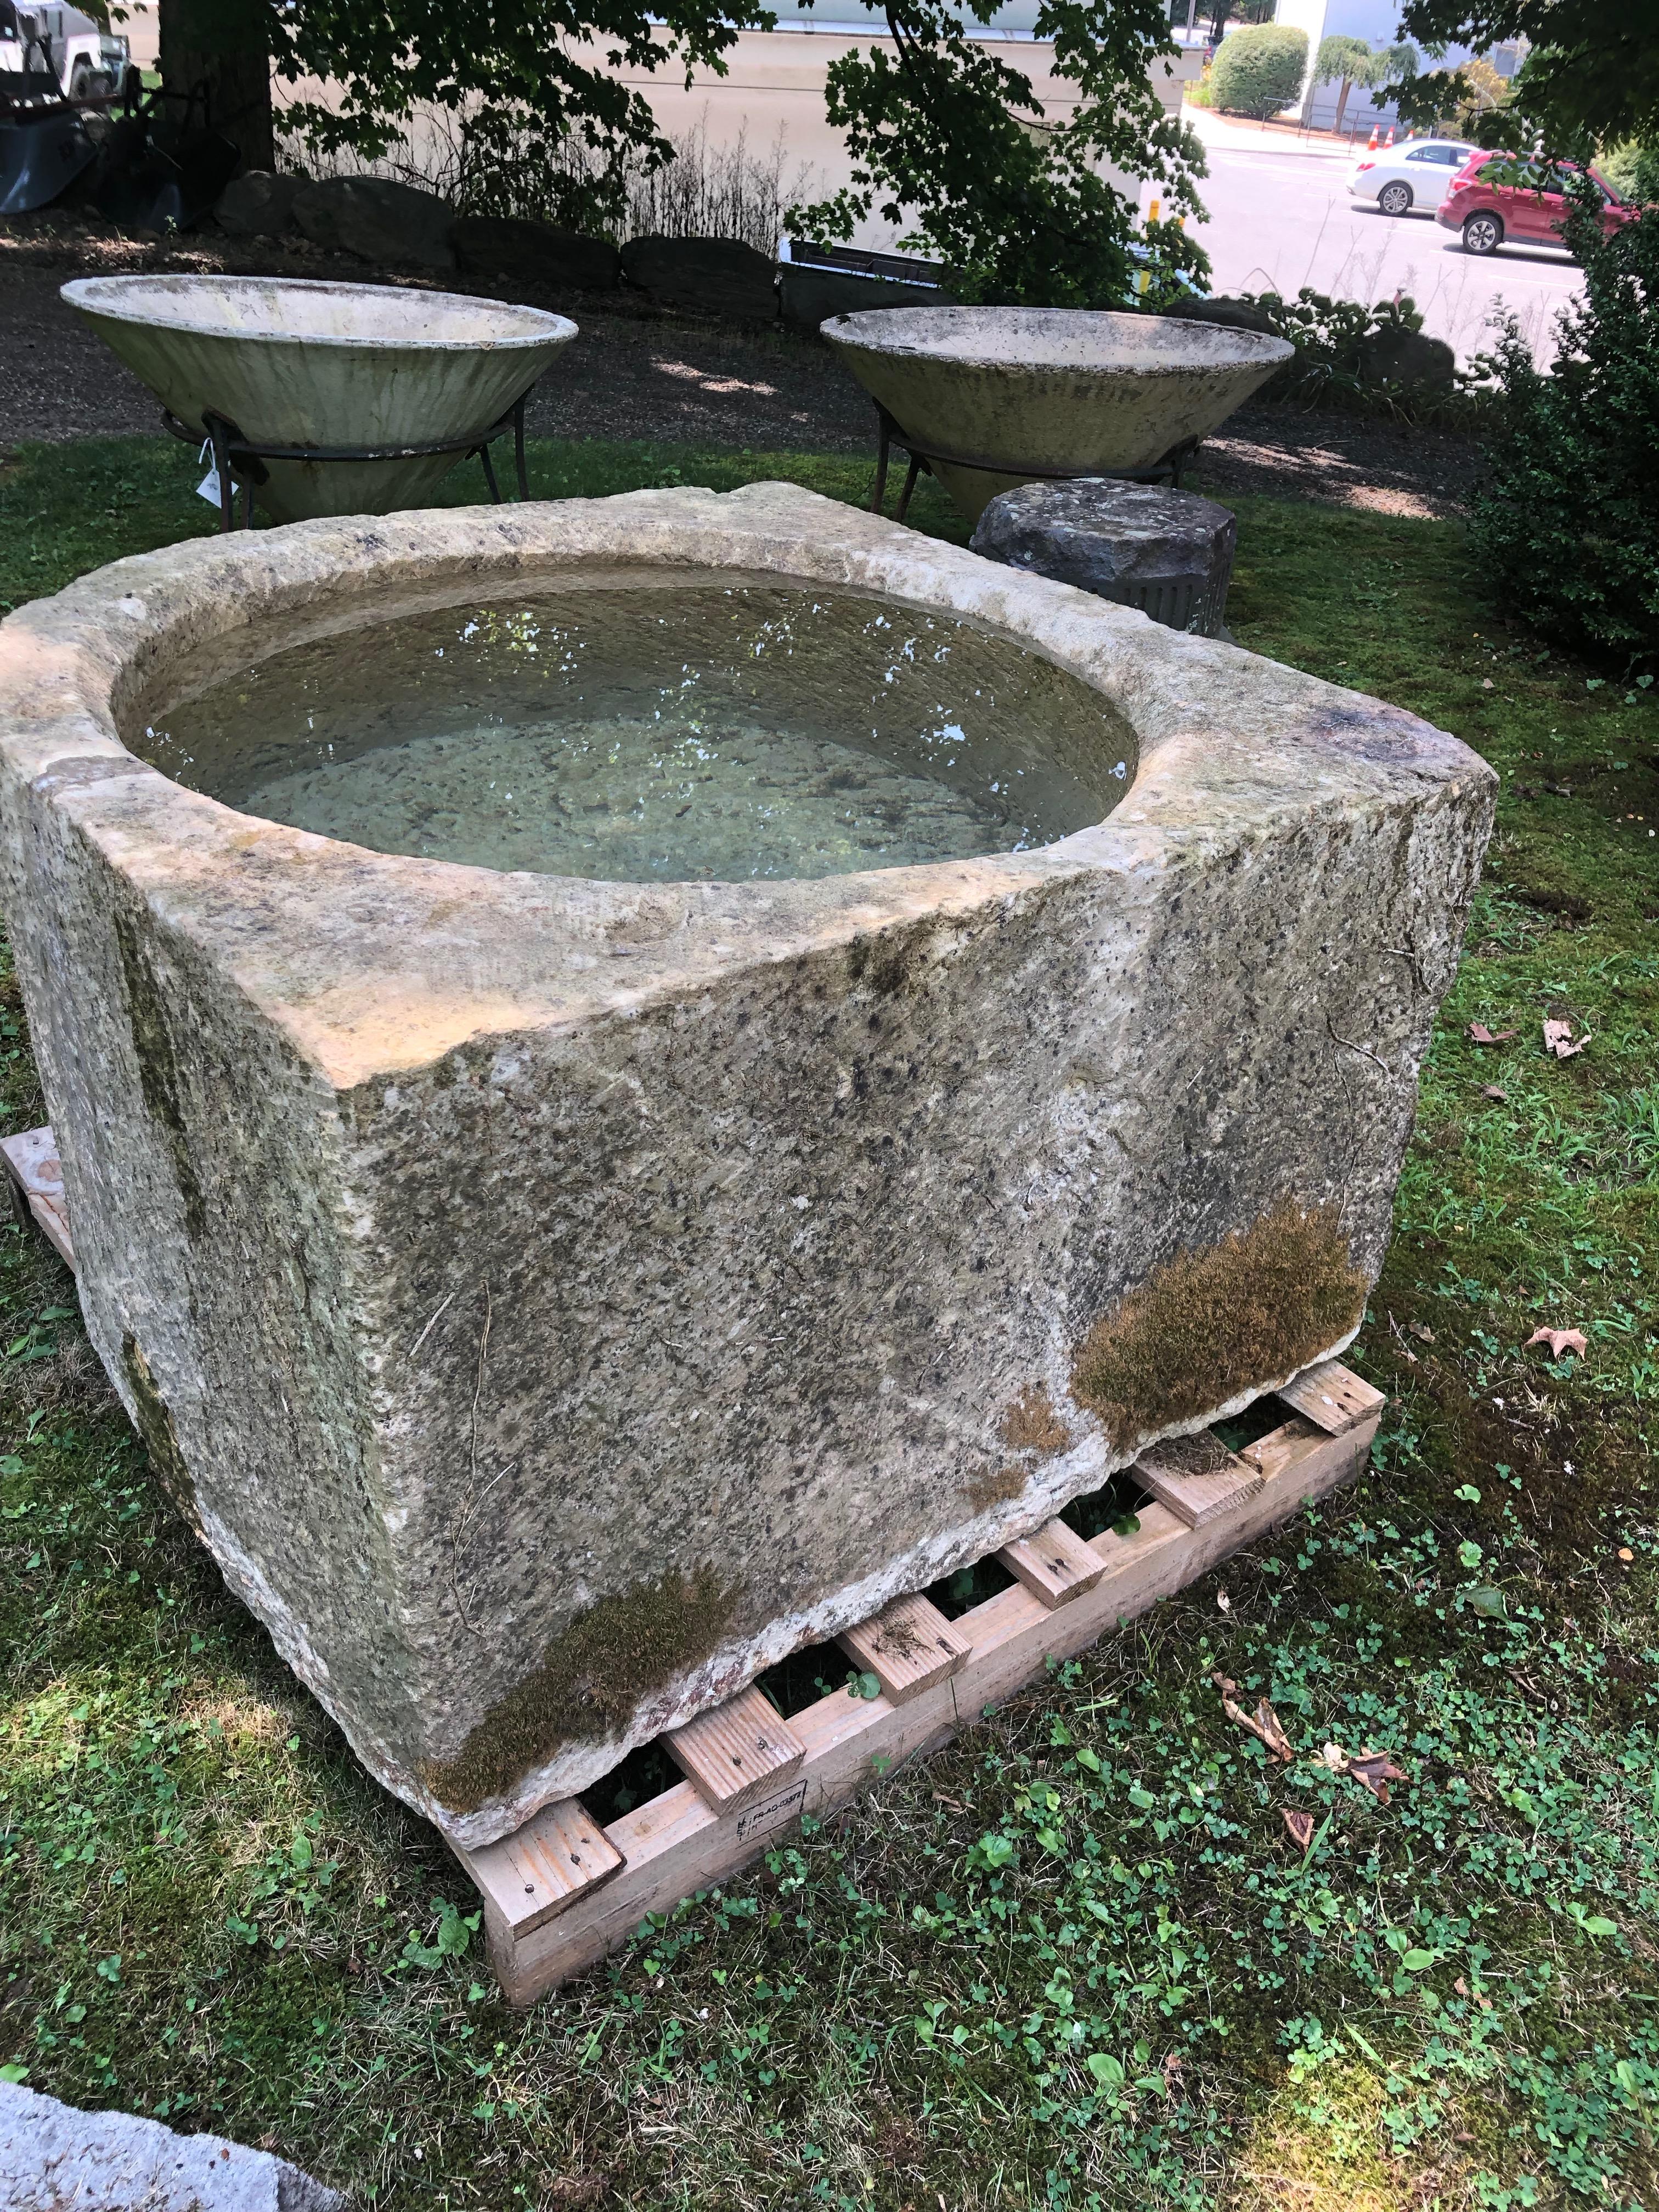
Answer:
(1258, 70)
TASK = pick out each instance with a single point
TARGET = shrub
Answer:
(1568, 524)
(1632, 170)
(1259, 69)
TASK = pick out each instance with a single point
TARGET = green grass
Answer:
(1074, 1960)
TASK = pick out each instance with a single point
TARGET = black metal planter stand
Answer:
(241, 464)
(1167, 471)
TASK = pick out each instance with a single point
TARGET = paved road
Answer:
(1281, 217)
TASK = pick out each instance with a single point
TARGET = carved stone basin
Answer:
(1027, 393)
(637, 1077)
(291, 363)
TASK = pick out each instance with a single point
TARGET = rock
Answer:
(1231, 314)
(555, 1298)
(379, 220)
(53, 2156)
(1410, 359)
(257, 204)
(703, 276)
(810, 296)
(1168, 553)
(513, 251)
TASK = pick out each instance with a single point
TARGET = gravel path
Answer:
(636, 373)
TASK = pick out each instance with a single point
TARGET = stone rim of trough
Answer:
(376, 962)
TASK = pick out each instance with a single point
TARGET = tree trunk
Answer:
(221, 46)
(1342, 105)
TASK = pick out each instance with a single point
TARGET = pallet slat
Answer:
(1056, 1564)
(737, 1752)
(1197, 1486)
(37, 1180)
(1333, 1397)
(542, 1868)
(908, 1646)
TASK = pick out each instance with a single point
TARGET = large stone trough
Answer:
(554, 1300)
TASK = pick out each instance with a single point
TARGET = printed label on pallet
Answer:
(771, 1812)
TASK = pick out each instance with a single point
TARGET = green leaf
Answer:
(1469, 1554)
(1598, 1924)
(13, 2071)
(1107, 2070)
(300, 1851)
(1143, 1798)
(1418, 1962)
(1089, 1759)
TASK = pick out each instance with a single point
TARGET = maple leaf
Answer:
(1559, 1341)
(1300, 1825)
(1478, 1033)
(1558, 1039)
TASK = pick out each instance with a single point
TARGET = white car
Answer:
(1416, 173)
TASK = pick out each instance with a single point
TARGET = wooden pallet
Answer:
(562, 1892)
(548, 1919)
(36, 1175)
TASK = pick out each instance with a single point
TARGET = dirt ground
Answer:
(637, 374)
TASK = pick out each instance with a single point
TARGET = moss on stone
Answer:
(1030, 1424)
(591, 1678)
(1213, 1324)
(994, 1485)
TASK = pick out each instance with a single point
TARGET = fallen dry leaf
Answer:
(1559, 1340)
(1374, 1771)
(1558, 1039)
(1478, 1033)
(1262, 1723)
(1300, 1825)
(1423, 1335)
(1498, 1097)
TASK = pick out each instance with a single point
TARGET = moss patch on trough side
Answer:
(1210, 1324)
(590, 1681)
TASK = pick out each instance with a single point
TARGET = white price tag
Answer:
(208, 486)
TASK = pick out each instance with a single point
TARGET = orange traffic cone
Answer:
(1370, 143)
(1388, 141)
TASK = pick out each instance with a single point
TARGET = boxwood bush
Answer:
(1258, 70)
(1568, 523)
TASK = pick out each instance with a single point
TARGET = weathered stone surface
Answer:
(1410, 358)
(554, 1300)
(379, 219)
(513, 249)
(1169, 553)
(53, 2157)
(703, 276)
(258, 204)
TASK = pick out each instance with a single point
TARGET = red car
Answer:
(1526, 214)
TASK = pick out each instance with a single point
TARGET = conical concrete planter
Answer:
(1037, 391)
(295, 363)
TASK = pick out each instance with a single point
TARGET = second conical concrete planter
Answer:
(1033, 391)
(295, 363)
